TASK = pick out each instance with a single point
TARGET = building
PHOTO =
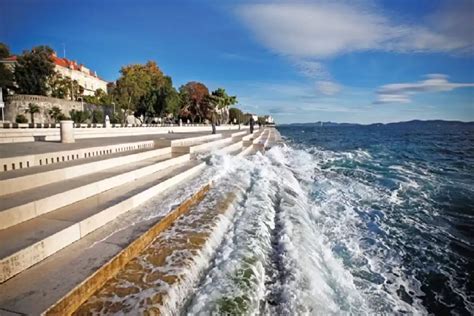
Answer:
(85, 77)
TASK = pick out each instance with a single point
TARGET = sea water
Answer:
(336, 220)
(349, 219)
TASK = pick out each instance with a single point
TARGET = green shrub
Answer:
(97, 116)
(56, 114)
(79, 116)
(20, 118)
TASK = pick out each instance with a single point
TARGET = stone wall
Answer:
(18, 103)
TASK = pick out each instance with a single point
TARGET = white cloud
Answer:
(309, 33)
(311, 69)
(324, 30)
(327, 87)
(400, 92)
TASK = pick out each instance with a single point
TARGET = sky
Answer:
(357, 61)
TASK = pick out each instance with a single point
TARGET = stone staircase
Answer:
(53, 214)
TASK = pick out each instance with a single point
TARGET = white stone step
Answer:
(27, 161)
(203, 146)
(247, 150)
(25, 179)
(233, 148)
(26, 244)
(28, 204)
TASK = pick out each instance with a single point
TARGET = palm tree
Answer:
(32, 109)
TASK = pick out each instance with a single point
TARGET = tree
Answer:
(237, 114)
(59, 86)
(224, 100)
(33, 70)
(148, 105)
(32, 109)
(99, 98)
(64, 87)
(56, 114)
(195, 101)
(135, 82)
(169, 100)
(261, 120)
(246, 118)
(6, 75)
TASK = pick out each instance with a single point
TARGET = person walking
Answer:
(213, 121)
(252, 123)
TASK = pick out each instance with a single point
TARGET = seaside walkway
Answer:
(62, 205)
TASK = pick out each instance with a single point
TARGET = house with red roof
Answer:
(85, 77)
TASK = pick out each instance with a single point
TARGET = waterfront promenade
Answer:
(61, 209)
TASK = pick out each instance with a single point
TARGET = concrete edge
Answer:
(77, 296)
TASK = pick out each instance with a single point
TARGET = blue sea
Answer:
(395, 205)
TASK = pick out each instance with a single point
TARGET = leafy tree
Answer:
(79, 116)
(161, 101)
(59, 86)
(100, 97)
(246, 118)
(33, 70)
(237, 114)
(261, 120)
(4, 50)
(32, 109)
(6, 75)
(64, 87)
(56, 114)
(20, 118)
(148, 105)
(169, 98)
(135, 82)
(223, 99)
(195, 101)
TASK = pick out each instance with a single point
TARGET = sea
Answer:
(393, 205)
(358, 220)
(335, 220)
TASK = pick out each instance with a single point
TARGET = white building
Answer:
(85, 77)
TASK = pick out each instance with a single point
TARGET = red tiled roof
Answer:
(11, 58)
(63, 62)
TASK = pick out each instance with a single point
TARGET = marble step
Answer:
(28, 204)
(26, 244)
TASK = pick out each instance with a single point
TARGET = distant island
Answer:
(408, 123)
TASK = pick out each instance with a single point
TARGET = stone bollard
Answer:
(67, 132)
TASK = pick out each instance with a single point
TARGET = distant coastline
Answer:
(410, 123)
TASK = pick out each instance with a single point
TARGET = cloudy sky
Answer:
(300, 61)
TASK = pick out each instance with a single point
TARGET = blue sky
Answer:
(300, 61)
